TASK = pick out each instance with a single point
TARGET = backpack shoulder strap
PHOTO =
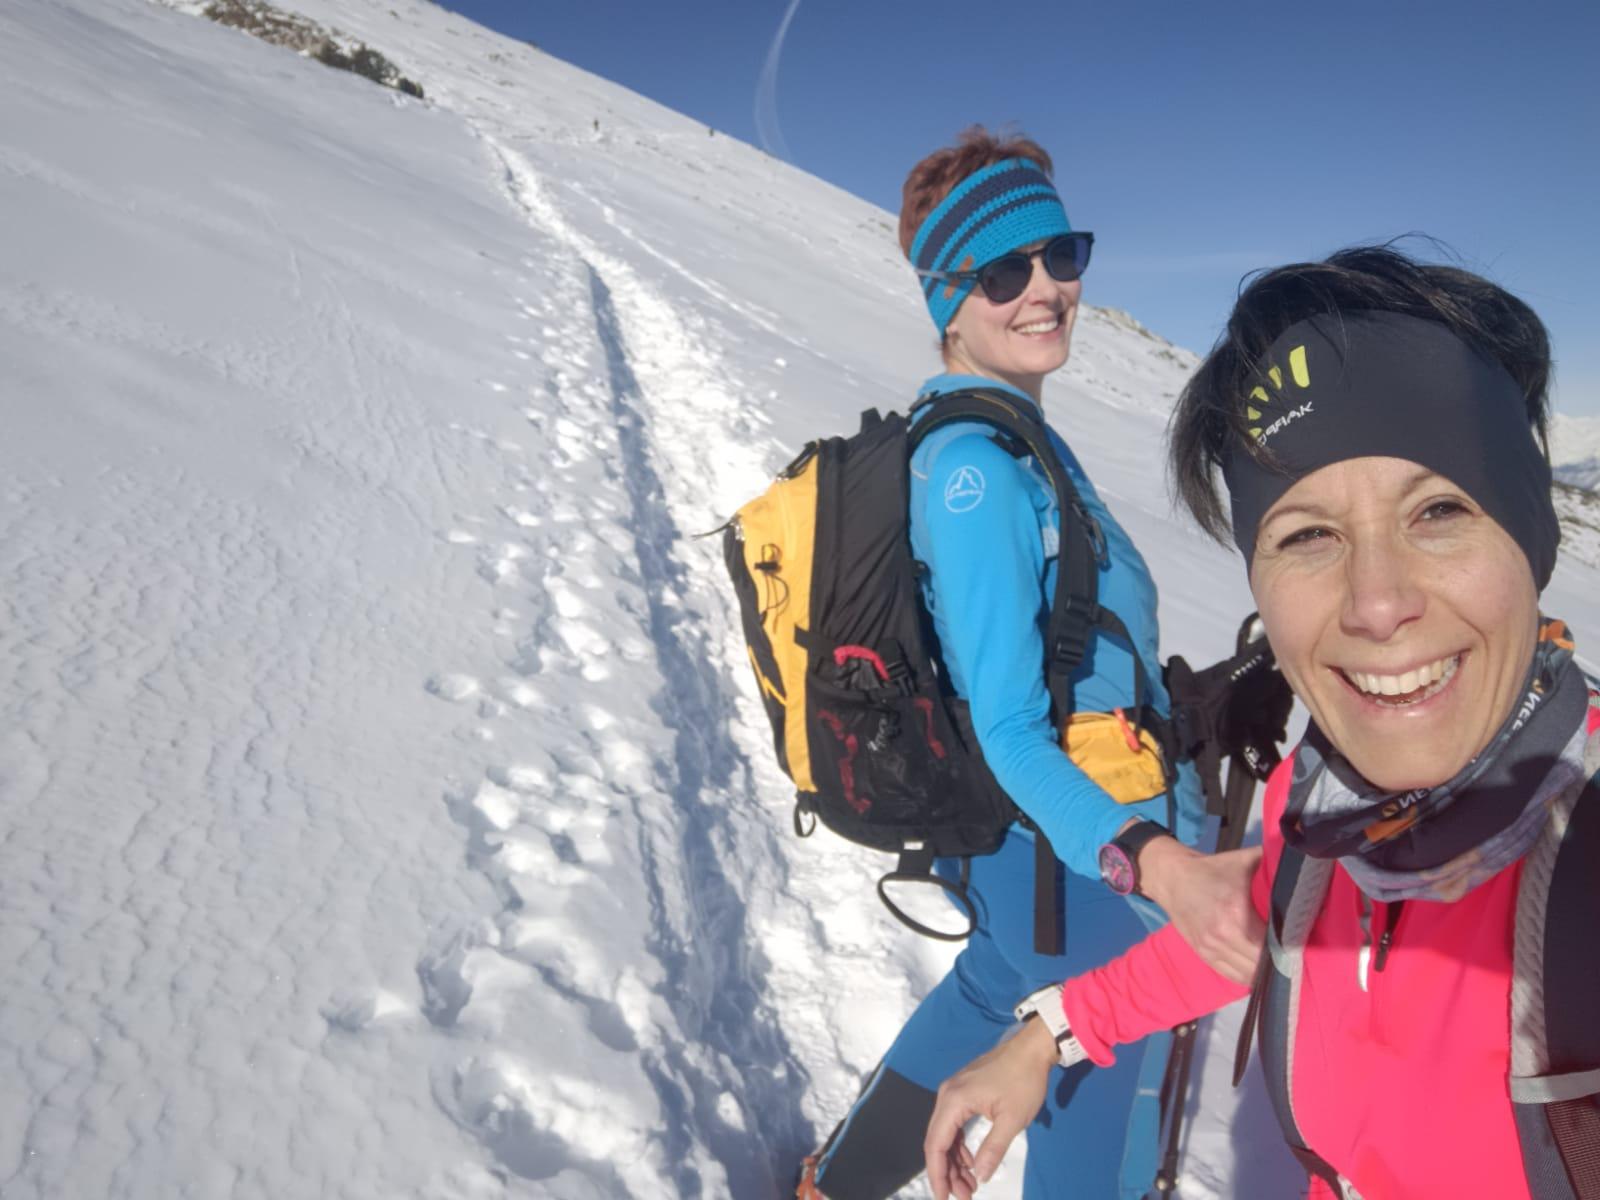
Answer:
(1555, 1038)
(1299, 887)
(1074, 609)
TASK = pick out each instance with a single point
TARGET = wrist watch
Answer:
(1045, 1004)
(1119, 858)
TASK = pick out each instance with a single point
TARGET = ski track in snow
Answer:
(730, 930)
(596, 520)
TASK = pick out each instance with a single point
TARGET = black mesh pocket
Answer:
(891, 769)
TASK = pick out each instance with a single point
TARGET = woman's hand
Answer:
(1207, 896)
(1008, 1086)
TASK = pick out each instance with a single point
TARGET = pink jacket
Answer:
(1400, 1073)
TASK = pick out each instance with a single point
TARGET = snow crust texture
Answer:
(387, 808)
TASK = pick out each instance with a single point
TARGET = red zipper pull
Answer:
(1128, 735)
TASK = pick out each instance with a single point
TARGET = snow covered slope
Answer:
(386, 808)
(1575, 450)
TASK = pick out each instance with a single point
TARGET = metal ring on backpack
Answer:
(957, 894)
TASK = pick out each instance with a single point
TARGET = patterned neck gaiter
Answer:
(1439, 843)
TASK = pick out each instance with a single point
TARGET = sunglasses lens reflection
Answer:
(1006, 277)
(1066, 257)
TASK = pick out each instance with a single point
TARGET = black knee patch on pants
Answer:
(877, 1150)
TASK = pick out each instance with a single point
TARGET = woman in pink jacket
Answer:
(1426, 1005)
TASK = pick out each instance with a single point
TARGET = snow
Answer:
(1575, 450)
(388, 808)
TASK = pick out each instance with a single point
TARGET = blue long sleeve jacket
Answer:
(986, 526)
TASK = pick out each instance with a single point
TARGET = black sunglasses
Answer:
(1005, 278)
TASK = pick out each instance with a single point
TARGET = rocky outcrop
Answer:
(305, 36)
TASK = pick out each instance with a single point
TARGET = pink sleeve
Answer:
(1159, 983)
(1162, 982)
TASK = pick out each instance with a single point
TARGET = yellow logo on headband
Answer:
(1301, 374)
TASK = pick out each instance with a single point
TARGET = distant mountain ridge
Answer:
(1575, 450)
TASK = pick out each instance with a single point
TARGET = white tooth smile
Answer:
(1041, 326)
(1415, 685)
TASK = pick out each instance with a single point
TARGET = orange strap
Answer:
(1128, 735)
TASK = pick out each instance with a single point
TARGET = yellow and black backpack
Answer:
(847, 663)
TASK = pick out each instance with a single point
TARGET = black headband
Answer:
(1385, 384)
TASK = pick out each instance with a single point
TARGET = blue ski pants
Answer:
(1096, 1136)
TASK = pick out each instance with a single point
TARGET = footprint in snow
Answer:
(498, 1102)
(520, 693)
(498, 564)
(583, 639)
(538, 864)
(443, 973)
(453, 687)
(353, 1009)
(520, 777)
(520, 516)
(568, 604)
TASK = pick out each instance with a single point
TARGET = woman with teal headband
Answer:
(1000, 265)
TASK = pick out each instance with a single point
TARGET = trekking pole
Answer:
(1238, 796)
(1240, 792)
(1174, 1092)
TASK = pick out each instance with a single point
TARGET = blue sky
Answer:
(1197, 140)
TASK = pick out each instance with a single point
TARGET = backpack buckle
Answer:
(1189, 730)
(1072, 641)
(1069, 647)
(1096, 535)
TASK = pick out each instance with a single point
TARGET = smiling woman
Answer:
(1402, 614)
(1430, 845)
(1000, 268)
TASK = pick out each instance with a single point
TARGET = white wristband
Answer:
(1045, 1004)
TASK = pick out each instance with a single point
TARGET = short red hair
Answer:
(936, 176)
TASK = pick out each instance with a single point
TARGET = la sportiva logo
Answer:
(1263, 407)
(964, 491)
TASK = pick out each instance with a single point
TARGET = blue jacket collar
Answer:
(946, 381)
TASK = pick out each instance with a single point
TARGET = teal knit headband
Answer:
(989, 213)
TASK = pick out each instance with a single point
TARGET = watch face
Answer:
(1116, 868)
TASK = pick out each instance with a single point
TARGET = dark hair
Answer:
(936, 176)
(1209, 421)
